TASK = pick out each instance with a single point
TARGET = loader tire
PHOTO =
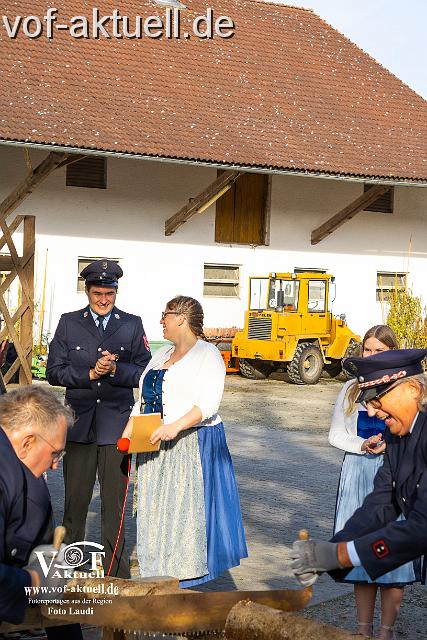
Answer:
(254, 369)
(307, 364)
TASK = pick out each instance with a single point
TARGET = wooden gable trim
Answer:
(348, 212)
(209, 195)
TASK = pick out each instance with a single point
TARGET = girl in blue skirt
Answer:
(361, 437)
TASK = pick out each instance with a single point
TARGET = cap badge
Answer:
(103, 274)
(105, 265)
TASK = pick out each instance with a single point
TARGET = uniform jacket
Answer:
(25, 522)
(102, 407)
(400, 486)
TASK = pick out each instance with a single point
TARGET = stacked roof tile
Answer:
(286, 92)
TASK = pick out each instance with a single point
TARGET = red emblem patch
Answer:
(146, 345)
(380, 549)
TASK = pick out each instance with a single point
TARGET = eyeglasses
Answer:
(56, 455)
(170, 313)
(375, 402)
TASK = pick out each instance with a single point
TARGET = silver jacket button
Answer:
(98, 401)
(122, 348)
(14, 552)
(99, 384)
(99, 349)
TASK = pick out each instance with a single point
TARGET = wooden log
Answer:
(250, 621)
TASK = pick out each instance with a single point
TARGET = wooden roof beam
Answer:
(27, 186)
(195, 205)
(348, 212)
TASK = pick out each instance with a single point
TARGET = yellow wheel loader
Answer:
(289, 325)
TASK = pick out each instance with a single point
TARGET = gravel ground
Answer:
(287, 475)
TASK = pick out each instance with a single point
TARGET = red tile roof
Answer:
(287, 92)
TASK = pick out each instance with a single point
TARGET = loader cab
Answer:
(299, 298)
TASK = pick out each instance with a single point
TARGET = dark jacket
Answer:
(25, 522)
(102, 407)
(400, 486)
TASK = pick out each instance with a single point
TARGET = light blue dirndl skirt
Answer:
(356, 482)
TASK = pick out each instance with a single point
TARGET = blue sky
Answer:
(394, 32)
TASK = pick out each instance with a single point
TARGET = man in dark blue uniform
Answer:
(32, 439)
(393, 387)
(98, 354)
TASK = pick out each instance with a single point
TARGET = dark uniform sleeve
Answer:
(382, 542)
(128, 373)
(59, 371)
(13, 581)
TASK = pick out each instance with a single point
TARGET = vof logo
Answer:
(71, 558)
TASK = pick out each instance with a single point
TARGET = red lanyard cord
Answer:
(123, 516)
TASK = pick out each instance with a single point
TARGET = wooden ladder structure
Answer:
(18, 327)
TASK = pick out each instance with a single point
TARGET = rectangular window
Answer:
(317, 296)
(221, 280)
(283, 295)
(83, 262)
(90, 172)
(383, 204)
(242, 213)
(389, 281)
(258, 293)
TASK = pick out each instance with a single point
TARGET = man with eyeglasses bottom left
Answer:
(33, 427)
(98, 354)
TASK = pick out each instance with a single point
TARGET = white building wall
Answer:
(126, 221)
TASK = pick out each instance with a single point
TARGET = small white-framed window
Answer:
(389, 281)
(317, 296)
(221, 280)
(83, 262)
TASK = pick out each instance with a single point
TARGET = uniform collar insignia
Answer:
(86, 313)
(117, 317)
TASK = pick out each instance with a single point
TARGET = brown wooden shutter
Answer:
(241, 213)
(383, 204)
(88, 172)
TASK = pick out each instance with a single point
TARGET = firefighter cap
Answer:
(104, 273)
(378, 372)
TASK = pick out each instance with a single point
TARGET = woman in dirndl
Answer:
(361, 437)
(189, 523)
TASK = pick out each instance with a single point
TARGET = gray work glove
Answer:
(51, 586)
(310, 558)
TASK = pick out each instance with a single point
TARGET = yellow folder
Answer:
(142, 428)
